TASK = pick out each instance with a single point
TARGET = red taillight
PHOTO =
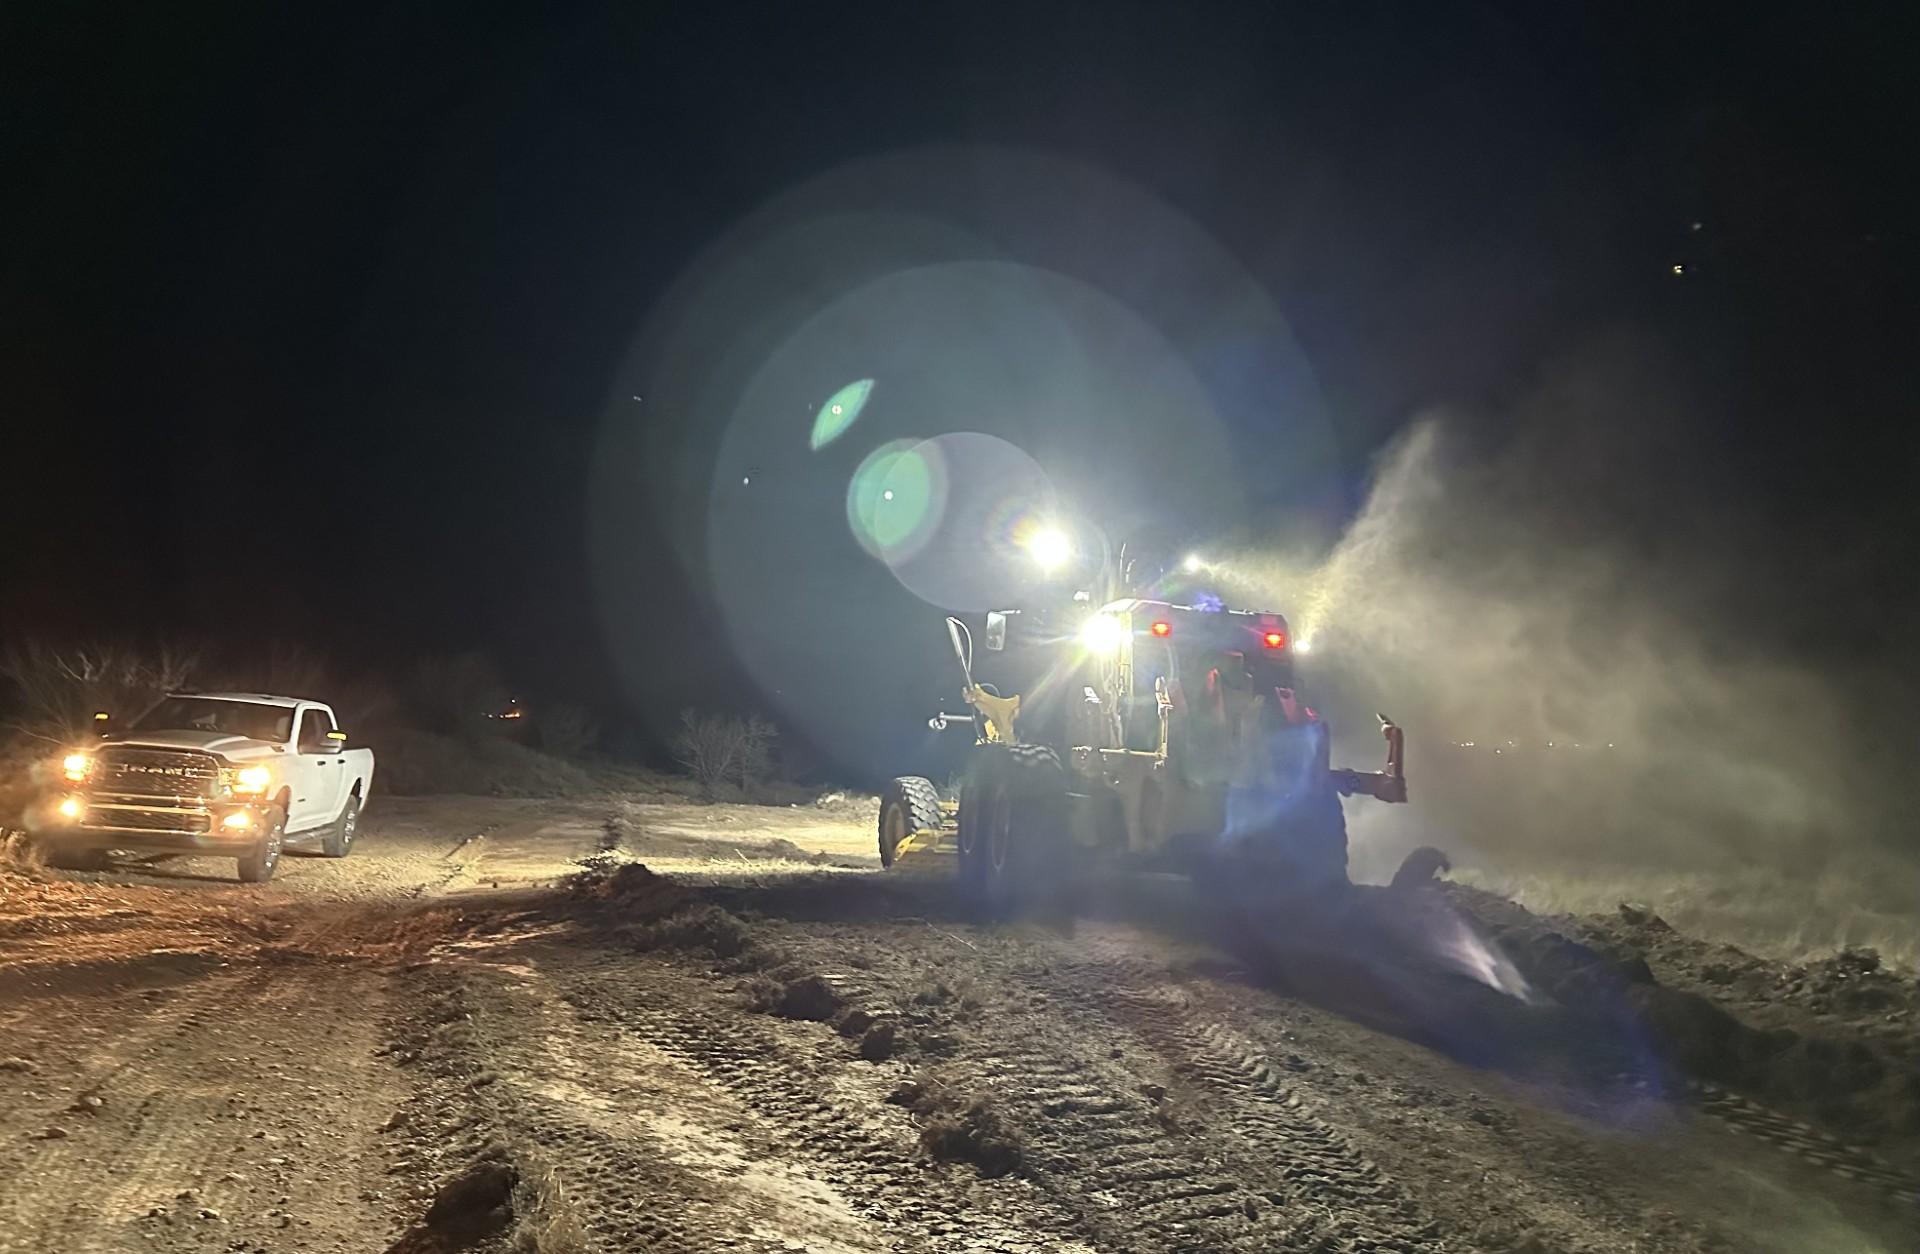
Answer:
(1275, 639)
(1162, 628)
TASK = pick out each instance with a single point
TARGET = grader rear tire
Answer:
(1013, 828)
(910, 804)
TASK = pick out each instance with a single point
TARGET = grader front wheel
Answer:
(909, 804)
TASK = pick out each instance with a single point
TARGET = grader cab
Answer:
(1159, 735)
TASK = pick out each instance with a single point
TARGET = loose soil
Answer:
(644, 1024)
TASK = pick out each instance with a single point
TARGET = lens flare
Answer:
(1050, 547)
(838, 413)
(896, 498)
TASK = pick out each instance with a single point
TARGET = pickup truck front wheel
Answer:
(338, 842)
(256, 865)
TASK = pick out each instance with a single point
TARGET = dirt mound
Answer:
(1858, 1084)
(960, 1128)
(704, 928)
(466, 1210)
(795, 994)
(629, 890)
(877, 1043)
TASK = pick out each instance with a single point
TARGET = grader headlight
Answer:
(1049, 547)
(1103, 633)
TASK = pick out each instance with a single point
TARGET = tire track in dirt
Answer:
(1242, 1166)
(167, 1011)
(208, 1122)
(1849, 1162)
(639, 1080)
(1198, 1014)
(1147, 1184)
(623, 1126)
(1269, 1115)
(132, 1157)
(1056, 1053)
(809, 1116)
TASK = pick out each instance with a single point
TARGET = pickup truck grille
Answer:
(133, 818)
(155, 773)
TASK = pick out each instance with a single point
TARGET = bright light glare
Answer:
(1303, 644)
(71, 808)
(1103, 633)
(252, 779)
(237, 820)
(1194, 563)
(77, 765)
(1050, 547)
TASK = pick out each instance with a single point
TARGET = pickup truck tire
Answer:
(338, 842)
(256, 865)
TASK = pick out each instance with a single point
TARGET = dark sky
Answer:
(312, 321)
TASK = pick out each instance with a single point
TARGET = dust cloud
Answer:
(1594, 646)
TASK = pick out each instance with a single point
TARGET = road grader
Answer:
(1138, 732)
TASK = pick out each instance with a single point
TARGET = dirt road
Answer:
(443, 1042)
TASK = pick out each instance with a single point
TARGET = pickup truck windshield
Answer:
(211, 714)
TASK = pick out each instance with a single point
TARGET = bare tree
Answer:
(58, 691)
(721, 749)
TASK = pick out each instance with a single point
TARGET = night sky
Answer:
(327, 324)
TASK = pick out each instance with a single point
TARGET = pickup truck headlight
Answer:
(77, 767)
(250, 780)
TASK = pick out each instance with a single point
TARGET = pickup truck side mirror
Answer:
(334, 743)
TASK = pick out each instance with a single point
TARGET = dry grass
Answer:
(705, 928)
(961, 1127)
(546, 1221)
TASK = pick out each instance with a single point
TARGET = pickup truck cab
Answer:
(239, 774)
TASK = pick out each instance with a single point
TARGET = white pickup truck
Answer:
(231, 774)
